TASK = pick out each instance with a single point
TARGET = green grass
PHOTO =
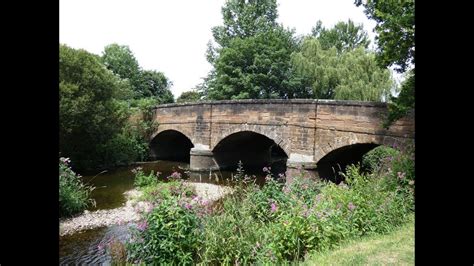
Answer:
(396, 248)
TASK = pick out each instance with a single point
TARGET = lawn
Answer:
(396, 248)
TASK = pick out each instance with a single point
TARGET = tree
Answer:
(344, 36)
(256, 67)
(89, 112)
(121, 61)
(189, 96)
(350, 75)
(396, 46)
(251, 59)
(156, 84)
(245, 18)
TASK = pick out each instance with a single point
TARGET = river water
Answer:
(84, 247)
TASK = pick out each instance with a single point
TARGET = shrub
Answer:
(168, 235)
(74, 196)
(234, 235)
(143, 180)
(372, 160)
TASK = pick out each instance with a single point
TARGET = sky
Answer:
(171, 36)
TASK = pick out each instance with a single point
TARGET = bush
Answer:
(234, 235)
(168, 235)
(142, 180)
(372, 160)
(74, 196)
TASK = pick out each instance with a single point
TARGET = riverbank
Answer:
(131, 210)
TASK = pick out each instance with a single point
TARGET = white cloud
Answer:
(171, 36)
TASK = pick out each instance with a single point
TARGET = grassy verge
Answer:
(396, 248)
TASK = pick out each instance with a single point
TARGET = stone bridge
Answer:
(303, 133)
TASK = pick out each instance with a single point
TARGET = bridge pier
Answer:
(202, 159)
(298, 164)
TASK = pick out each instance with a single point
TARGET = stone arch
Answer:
(170, 144)
(187, 133)
(255, 150)
(341, 139)
(276, 133)
(346, 148)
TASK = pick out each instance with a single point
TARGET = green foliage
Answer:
(374, 159)
(256, 67)
(74, 196)
(233, 235)
(343, 36)
(169, 235)
(396, 46)
(189, 96)
(120, 60)
(155, 84)
(351, 75)
(144, 180)
(244, 19)
(89, 114)
(144, 83)
(405, 102)
(395, 31)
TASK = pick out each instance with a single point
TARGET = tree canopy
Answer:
(344, 36)
(256, 67)
(351, 75)
(396, 47)
(89, 112)
(189, 96)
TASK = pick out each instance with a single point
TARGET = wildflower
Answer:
(274, 207)
(351, 206)
(188, 206)
(411, 182)
(401, 175)
(175, 175)
(281, 175)
(142, 226)
(204, 203)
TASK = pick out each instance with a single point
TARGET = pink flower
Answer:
(142, 226)
(274, 207)
(351, 206)
(175, 175)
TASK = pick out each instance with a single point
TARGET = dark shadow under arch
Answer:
(253, 149)
(337, 160)
(170, 145)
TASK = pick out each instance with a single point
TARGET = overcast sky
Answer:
(171, 35)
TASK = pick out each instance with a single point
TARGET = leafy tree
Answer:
(256, 67)
(251, 59)
(396, 46)
(156, 84)
(245, 18)
(189, 96)
(89, 112)
(121, 61)
(351, 75)
(344, 36)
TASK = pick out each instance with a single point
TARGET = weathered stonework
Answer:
(306, 130)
